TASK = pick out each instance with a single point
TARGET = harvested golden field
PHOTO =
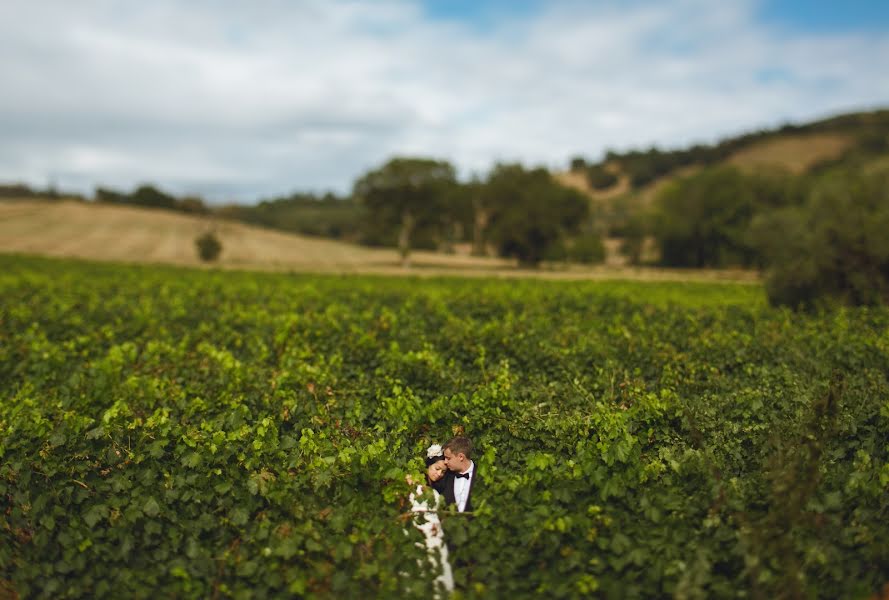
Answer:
(139, 235)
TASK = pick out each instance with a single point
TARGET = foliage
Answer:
(192, 204)
(199, 434)
(327, 215)
(531, 212)
(703, 220)
(406, 194)
(834, 247)
(21, 191)
(149, 196)
(209, 247)
(600, 178)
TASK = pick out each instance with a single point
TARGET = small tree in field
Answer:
(209, 247)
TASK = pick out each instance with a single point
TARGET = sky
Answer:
(241, 100)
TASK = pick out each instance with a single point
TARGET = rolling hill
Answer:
(121, 232)
(132, 234)
(94, 231)
(795, 149)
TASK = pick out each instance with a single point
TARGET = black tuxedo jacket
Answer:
(445, 487)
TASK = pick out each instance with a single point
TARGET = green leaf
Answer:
(156, 448)
(151, 507)
(95, 514)
(191, 460)
(239, 516)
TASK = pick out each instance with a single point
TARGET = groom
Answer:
(459, 482)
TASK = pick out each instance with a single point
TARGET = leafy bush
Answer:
(833, 248)
(209, 247)
(600, 178)
(578, 164)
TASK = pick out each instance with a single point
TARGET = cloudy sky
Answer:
(236, 100)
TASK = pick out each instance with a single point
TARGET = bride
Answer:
(425, 500)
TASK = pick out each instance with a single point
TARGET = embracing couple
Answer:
(453, 477)
(451, 472)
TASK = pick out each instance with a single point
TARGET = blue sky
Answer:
(796, 15)
(482, 15)
(825, 16)
(238, 100)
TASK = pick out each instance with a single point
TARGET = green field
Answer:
(174, 433)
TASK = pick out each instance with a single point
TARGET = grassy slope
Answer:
(117, 233)
(138, 235)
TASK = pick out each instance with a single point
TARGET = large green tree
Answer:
(835, 247)
(406, 194)
(703, 220)
(530, 213)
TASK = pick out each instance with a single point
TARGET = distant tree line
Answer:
(145, 195)
(149, 196)
(325, 215)
(515, 212)
(22, 191)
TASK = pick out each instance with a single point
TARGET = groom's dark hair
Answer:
(460, 445)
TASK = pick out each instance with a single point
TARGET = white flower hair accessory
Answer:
(433, 451)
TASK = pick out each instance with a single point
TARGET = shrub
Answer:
(600, 178)
(209, 247)
(834, 248)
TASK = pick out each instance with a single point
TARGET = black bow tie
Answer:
(462, 475)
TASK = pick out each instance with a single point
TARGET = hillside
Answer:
(139, 235)
(130, 234)
(624, 187)
(793, 148)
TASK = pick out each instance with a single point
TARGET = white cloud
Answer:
(235, 98)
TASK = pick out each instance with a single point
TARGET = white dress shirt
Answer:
(461, 488)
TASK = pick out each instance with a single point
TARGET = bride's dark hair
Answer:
(434, 454)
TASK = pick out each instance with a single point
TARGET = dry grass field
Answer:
(796, 153)
(579, 181)
(138, 235)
